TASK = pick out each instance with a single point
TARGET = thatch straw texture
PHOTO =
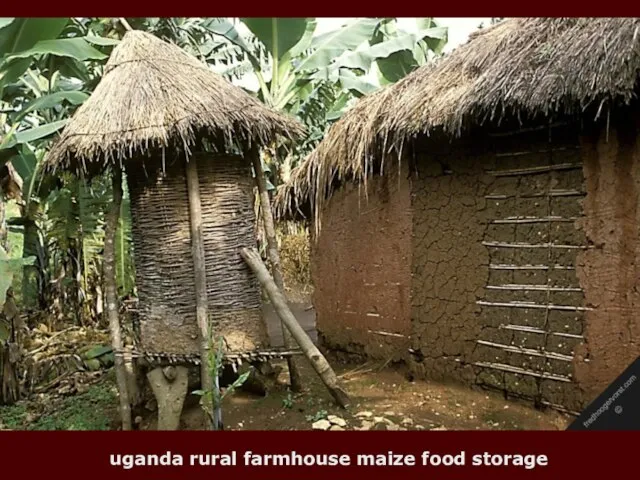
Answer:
(520, 68)
(154, 95)
(164, 265)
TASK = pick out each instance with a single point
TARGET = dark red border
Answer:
(325, 8)
(82, 454)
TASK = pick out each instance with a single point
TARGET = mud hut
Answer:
(479, 220)
(157, 111)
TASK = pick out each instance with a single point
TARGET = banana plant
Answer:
(317, 76)
(43, 68)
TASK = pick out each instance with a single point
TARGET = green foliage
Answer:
(125, 268)
(287, 402)
(91, 410)
(319, 415)
(211, 400)
(49, 66)
(12, 417)
(316, 77)
(8, 268)
(278, 35)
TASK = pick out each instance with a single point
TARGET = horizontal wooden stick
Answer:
(519, 220)
(523, 371)
(550, 193)
(534, 170)
(520, 131)
(536, 245)
(526, 329)
(536, 152)
(527, 351)
(524, 287)
(387, 334)
(494, 266)
(533, 305)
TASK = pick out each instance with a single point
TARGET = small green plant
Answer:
(287, 402)
(319, 415)
(211, 401)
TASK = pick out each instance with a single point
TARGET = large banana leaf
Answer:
(38, 133)
(23, 33)
(5, 21)
(227, 30)
(364, 58)
(52, 100)
(77, 48)
(278, 35)
(328, 46)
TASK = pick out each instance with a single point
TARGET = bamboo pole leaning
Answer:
(111, 297)
(197, 252)
(274, 257)
(279, 302)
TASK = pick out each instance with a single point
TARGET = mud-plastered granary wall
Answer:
(496, 301)
(360, 267)
(519, 249)
(525, 249)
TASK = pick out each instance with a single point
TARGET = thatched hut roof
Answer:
(154, 94)
(521, 67)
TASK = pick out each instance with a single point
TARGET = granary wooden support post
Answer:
(197, 250)
(111, 297)
(319, 363)
(274, 257)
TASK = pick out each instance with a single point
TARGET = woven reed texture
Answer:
(164, 265)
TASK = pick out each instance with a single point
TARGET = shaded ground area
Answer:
(383, 399)
(304, 313)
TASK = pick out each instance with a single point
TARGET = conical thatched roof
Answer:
(153, 94)
(521, 67)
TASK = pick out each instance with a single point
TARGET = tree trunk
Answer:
(319, 363)
(111, 297)
(31, 273)
(4, 235)
(197, 251)
(274, 257)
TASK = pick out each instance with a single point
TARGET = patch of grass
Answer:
(87, 411)
(92, 410)
(13, 417)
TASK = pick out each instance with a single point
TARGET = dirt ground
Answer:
(382, 399)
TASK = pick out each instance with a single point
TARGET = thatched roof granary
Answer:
(479, 219)
(526, 68)
(155, 109)
(154, 95)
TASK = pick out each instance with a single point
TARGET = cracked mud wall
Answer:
(360, 267)
(449, 267)
(495, 297)
(610, 273)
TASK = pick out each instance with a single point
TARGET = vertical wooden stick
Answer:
(274, 257)
(111, 297)
(197, 251)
